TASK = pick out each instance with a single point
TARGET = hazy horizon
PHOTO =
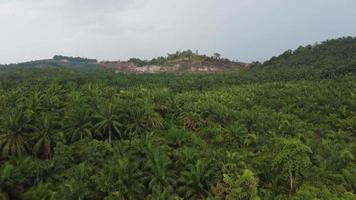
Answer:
(120, 29)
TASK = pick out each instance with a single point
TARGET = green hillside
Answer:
(56, 61)
(331, 53)
(330, 58)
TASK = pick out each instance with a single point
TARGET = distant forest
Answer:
(56, 61)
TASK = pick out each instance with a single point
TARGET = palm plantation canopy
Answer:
(283, 129)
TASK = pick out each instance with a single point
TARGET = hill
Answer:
(181, 61)
(335, 57)
(328, 54)
(328, 59)
(56, 61)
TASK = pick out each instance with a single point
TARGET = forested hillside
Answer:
(331, 53)
(331, 58)
(284, 129)
(55, 62)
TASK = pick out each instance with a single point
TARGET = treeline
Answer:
(56, 62)
(74, 59)
(179, 57)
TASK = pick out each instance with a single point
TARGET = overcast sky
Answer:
(246, 30)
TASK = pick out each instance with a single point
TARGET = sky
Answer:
(246, 30)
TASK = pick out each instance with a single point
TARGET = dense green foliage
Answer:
(185, 57)
(91, 134)
(328, 59)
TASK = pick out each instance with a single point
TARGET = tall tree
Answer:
(291, 157)
(108, 121)
(79, 124)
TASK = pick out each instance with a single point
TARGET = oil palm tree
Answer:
(195, 179)
(32, 102)
(53, 100)
(142, 118)
(44, 136)
(159, 167)
(164, 194)
(94, 90)
(13, 136)
(192, 120)
(108, 121)
(121, 179)
(151, 118)
(76, 184)
(79, 124)
(134, 116)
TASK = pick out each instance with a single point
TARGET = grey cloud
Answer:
(118, 29)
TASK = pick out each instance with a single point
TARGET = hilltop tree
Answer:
(217, 56)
